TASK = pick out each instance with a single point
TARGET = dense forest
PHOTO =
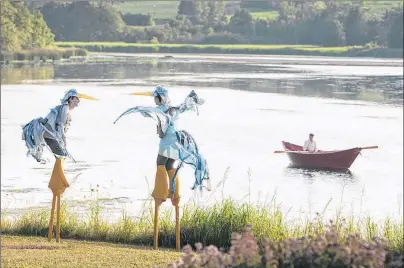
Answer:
(309, 22)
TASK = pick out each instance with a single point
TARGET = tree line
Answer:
(310, 22)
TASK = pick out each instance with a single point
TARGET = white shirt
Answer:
(310, 146)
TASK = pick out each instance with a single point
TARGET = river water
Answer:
(252, 104)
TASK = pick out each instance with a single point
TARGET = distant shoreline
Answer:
(291, 50)
(41, 55)
(248, 59)
(70, 54)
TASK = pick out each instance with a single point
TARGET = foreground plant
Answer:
(322, 250)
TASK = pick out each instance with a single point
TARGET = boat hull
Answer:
(332, 160)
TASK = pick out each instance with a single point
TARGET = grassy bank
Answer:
(208, 225)
(38, 252)
(365, 51)
(43, 54)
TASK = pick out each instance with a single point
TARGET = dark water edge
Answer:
(268, 75)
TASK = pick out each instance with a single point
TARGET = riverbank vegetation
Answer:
(214, 225)
(42, 54)
(208, 225)
(302, 50)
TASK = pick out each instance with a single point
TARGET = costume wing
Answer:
(189, 154)
(191, 103)
(32, 134)
(151, 112)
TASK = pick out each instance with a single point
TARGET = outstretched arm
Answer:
(151, 112)
(191, 103)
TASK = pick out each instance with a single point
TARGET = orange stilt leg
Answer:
(175, 200)
(51, 218)
(159, 194)
(58, 219)
(57, 184)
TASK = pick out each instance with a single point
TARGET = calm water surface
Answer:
(252, 104)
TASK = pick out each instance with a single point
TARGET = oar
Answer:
(369, 147)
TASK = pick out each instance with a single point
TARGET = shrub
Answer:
(326, 249)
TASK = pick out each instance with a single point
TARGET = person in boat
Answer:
(310, 144)
(51, 131)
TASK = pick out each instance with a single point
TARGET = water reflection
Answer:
(298, 81)
(311, 175)
(16, 75)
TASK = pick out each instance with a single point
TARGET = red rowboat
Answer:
(334, 160)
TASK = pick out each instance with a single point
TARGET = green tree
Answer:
(190, 9)
(394, 24)
(83, 21)
(20, 29)
(42, 35)
(9, 38)
(242, 22)
(355, 27)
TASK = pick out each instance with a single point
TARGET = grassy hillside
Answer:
(168, 9)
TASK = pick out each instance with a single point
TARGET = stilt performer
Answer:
(50, 132)
(174, 145)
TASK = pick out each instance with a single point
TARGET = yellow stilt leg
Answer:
(58, 219)
(57, 184)
(157, 204)
(160, 194)
(175, 200)
(177, 228)
(51, 218)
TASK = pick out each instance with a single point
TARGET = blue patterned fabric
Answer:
(33, 133)
(183, 142)
(189, 154)
(160, 91)
(151, 112)
(70, 93)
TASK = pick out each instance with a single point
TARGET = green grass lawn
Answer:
(37, 252)
(158, 9)
(266, 15)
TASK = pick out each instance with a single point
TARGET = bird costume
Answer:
(50, 132)
(175, 145)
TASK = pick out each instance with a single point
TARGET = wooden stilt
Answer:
(51, 218)
(157, 204)
(177, 228)
(57, 184)
(58, 219)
